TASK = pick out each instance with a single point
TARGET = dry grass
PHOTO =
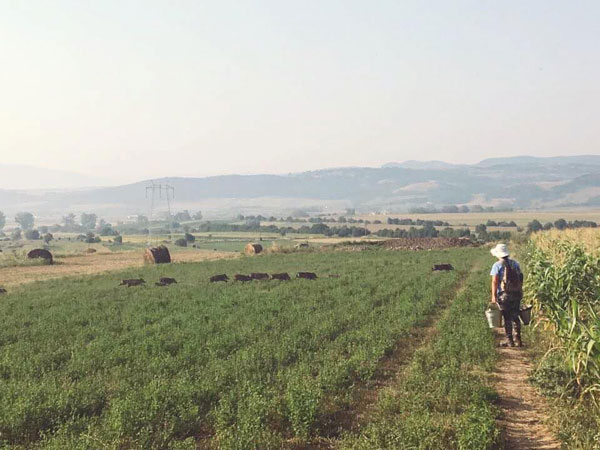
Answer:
(588, 237)
(522, 218)
(95, 263)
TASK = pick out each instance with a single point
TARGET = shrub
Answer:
(16, 234)
(91, 238)
(32, 235)
(181, 242)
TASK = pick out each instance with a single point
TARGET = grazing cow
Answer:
(2, 291)
(442, 267)
(307, 275)
(260, 276)
(280, 276)
(221, 277)
(242, 278)
(132, 282)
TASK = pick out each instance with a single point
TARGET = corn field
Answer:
(563, 283)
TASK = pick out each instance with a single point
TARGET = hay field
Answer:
(522, 218)
(95, 263)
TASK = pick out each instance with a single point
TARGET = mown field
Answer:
(85, 363)
(522, 218)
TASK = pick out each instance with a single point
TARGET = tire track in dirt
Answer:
(523, 416)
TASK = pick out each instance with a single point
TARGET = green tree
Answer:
(88, 221)
(16, 234)
(2, 220)
(25, 219)
(534, 226)
(561, 224)
(481, 229)
(182, 216)
(32, 235)
(69, 220)
(142, 221)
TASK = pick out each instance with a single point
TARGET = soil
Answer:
(523, 417)
(94, 263)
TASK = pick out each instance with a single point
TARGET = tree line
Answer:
(560, 224)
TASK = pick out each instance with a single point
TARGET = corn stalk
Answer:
(564, 284)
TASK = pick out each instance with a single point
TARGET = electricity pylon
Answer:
(160, 192)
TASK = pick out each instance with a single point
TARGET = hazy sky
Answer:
(138, 89)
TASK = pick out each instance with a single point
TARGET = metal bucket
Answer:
(494, 316)
(525, 314)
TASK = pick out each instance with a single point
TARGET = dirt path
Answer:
(95, 263)
(523, 415)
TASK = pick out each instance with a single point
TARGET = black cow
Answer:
(221, 277)
(165, 281)
(132, 282)
(307, 275)
(442, 267)
(260, 276)
(2, 291)
(280, 276)
(242, 278)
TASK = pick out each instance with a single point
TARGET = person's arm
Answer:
(494, 288)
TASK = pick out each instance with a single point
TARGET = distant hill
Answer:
(16, 176)
(593, 160)
(422, 165)
(520, 182)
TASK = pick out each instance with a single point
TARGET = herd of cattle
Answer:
(257, 276)
(260, 276)
(163, 281)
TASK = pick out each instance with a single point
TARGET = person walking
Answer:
(507, 292)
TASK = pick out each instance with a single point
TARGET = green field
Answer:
(85, 363)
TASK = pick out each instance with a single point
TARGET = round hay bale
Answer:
(157, 255)
(41, 253)
(91, 250)
(253, 249)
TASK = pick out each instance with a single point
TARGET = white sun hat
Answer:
(500, 251)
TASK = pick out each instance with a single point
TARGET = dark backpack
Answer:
(512, 279)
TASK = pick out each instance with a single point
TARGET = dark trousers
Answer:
(510, 316)
(510, 306)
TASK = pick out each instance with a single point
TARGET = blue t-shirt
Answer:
(498, 269)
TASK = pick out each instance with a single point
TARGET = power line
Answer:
(157, 190)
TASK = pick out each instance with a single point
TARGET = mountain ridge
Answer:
(518, 182)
